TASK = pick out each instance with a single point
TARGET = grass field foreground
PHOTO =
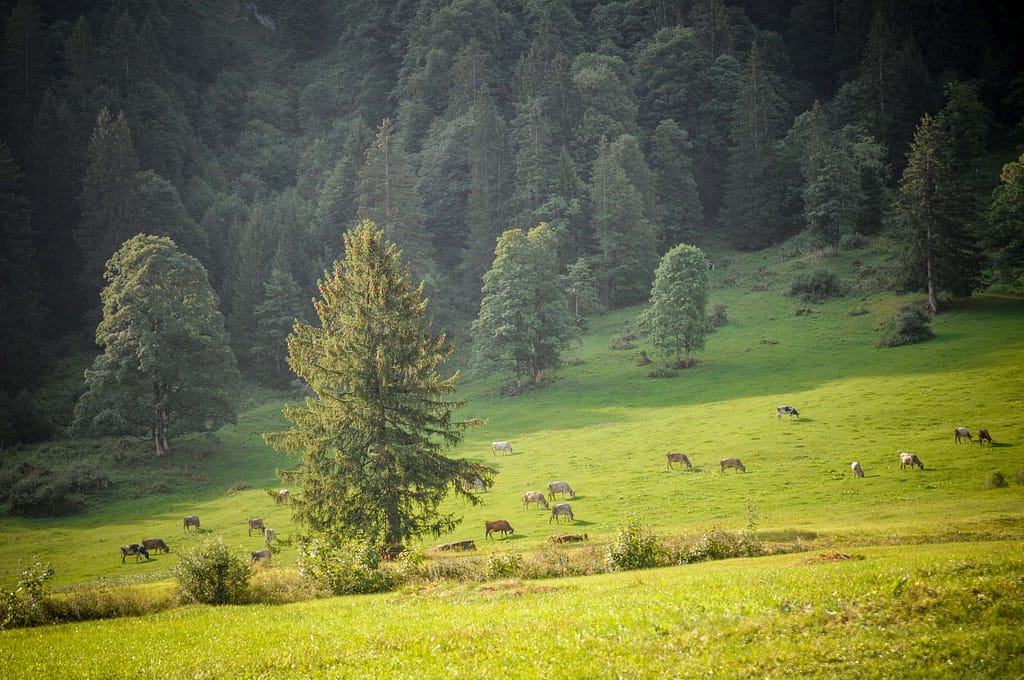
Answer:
(930, 611)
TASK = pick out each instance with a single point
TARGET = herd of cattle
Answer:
(189, 522)
(539, 500)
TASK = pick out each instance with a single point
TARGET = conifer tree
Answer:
(938, 246)
(681, 216)
(371, 441)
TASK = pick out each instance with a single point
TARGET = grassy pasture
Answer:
(934, 611)
(602, 425)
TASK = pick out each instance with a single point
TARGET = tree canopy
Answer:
(166, 367)
(371, 441)
(675, 316)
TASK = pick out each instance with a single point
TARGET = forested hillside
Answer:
(253, 134)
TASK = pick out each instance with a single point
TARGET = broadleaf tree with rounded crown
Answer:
(371, 440)
(676, 315)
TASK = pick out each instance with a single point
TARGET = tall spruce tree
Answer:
(938, 245)
(371, 441)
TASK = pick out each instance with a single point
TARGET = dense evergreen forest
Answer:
(254, 133)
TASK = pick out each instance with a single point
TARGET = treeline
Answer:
(255, 133)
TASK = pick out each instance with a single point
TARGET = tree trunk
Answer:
(933, 301)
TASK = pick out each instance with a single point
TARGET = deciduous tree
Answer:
(166, 367)
(675, 317)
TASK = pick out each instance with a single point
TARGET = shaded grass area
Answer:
(934, 611)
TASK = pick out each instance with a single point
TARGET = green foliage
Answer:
(1005, 237)
(910, 325)
(675, 318)
(25, 605)
(213, 573)
(371, 443)
(35, 491)
(504, 565)
(996, 480)
(817, 286)
(166, 368)
(635, 546)
(717, 544)
(345, 567)
(524, 321)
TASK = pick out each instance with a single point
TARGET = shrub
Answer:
(718, 316)
(717, 544)
(26, 604)
(817, 286)
(212, 573)
(908, 326)
(33, 491)
(623, 341)
(504, 565)
(83, 476)
(1019, 477)
(635, 546)
(345, 567)
(996, 480)
(663, 372)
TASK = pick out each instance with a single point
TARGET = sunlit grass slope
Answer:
(879, 612)
(604, 426)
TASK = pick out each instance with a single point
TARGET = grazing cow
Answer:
(678, 458)
(134, 549)
(257, 524)
(534, 497)
(910, 459)
(560, 487)
(984, 436)
(732, 463)
(475, 484)
(258, 555)
(191, 521)
(561, 510)
(858, 471)
(504, 447)
(567, 538)
(268, 537)
(788, 410)
(961, 434)
(155, 544)
(495, 525)
(282, 496)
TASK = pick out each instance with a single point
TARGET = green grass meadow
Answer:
(934, 583)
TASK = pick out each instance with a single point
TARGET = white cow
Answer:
(858, 471)
(561, 510)
(504, 447)
(560, 487)
(534, 497)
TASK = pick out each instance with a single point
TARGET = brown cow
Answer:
(733, 463)
(984, 436)
(155, 544)
(496, 525)
(678, 458)
(191, 521)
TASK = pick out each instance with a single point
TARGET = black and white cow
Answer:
(786, 410)
(134, 549)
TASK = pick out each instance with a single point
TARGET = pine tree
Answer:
(387, 197)
(935, 215)
(166, 367)
(371, 441)
(275, 316)
(680, 214)
(625, 237)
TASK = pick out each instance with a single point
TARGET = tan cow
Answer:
(534, 497)
(493, 526)
(733, 463)
(678, 458)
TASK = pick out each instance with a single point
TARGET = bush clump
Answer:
(996, 480)
(213, 573)
(721, 545)
(635, 546)
(504, 565)
(345, 567)
(35, 491)
(817, 286)
(910, 325)
(26, 604)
